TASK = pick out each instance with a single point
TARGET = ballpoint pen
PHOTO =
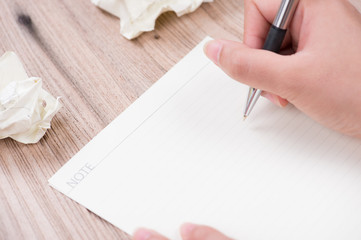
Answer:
(273, 43)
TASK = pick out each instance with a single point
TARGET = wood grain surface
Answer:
(79, 53)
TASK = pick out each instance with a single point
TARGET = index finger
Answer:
(258, 17)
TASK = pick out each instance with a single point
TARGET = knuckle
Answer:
(240, 68)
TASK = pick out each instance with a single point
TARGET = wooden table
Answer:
(78, 52)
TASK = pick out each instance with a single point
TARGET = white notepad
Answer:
(182, 153)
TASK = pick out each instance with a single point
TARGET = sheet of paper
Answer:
(182, 153)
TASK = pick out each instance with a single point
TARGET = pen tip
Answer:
(244, 117)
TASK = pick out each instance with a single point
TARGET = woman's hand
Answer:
(321, 76)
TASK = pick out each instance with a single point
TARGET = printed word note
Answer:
(182, 153)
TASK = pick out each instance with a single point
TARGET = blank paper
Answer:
(182, 153)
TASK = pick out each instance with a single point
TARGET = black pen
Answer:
(273, 43)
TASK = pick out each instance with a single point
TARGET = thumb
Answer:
(255, 67)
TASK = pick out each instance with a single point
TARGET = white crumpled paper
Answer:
(25, 108)
(137, 16)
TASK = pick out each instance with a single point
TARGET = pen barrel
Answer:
(274, 39)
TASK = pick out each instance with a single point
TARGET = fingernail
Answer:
(142, 234)
(272, 98)
(186, 230)
(212, 50)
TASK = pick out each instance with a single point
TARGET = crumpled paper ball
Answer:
(137, 16)
(26, 109)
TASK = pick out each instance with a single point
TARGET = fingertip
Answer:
(212, 49)
(186, 230)
(147, 234)
(142, 234)
(281, 102)
(191, 231)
